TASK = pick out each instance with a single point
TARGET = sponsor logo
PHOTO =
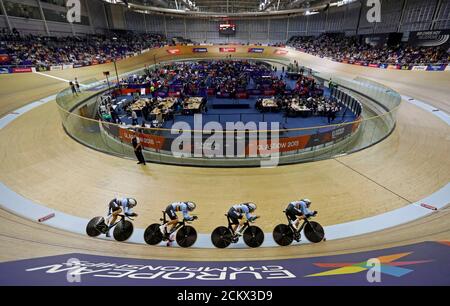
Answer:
(227, 49)
(4, 70)
(388, 265)
(174, 51)
(256, 50)
(67, 66)
(200, 50)
(77, 65)
(374, 65)
(20, 70)
(419, 68)
(436, 68)
(337, 133)
(59, 67)
(406, 67)
(392, 67)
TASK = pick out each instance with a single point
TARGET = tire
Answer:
(221, 237)
(314, 232)
(123, 230)
(253, 236)
(91, 227)
(152, 234)
(283, 235)
(186, 236)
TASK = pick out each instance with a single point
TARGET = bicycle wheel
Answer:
(253, 236)
(152, 234)
(314, 232)
(91, 227)
(186, 236)
(221, 237)
(123, 230)
(283, 234)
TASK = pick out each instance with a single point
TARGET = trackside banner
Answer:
(226, 50)
(148, 141)
(200, 50)
(255, 50)
(436, 67)
(174, 51)
(21, 70)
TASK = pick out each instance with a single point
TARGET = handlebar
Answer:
(193, 218)
(128, 216)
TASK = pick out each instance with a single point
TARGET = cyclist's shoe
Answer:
(297, 237)
(107, 234)
(170, 240)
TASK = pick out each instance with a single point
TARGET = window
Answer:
(56, 2)
(22, 10)
(51, 15)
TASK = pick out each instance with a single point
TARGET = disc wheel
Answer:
(123, 230)
(283, 234)
(221, 237)
(91, 227)
(314, 232)
(152, 234)
(253, 236)
(186, 236)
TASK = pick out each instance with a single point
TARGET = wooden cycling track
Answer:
(42, 163)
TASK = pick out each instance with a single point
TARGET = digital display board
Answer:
(227, 28)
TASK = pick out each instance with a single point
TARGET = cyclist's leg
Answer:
(241, 224)
(234, 218)
(116, 211)
(173, 220)
(300, 217)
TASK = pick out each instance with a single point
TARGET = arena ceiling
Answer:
(231, 7)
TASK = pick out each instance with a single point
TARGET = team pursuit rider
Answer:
(171, 211)
(116, 206)
(298, 210)
(236, 214)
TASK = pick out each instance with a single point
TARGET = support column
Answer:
(165, 26)
(106, 16)
(43, 17)
(400, 22)
(6, 15)
(287, 29)
(435, 14)
(89, 17)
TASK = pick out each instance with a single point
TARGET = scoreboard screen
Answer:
(227, 29)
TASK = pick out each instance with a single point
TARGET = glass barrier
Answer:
(257, 143)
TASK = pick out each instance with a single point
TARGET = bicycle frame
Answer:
(305, 221)
(246, 224)
(179, 225)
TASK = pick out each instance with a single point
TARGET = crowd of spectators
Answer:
(343, 48)
(44, 51)
(306, 95)
(221, 77)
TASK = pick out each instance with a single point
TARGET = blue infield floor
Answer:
(426, 263)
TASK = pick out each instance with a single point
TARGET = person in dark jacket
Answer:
(138, 150)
